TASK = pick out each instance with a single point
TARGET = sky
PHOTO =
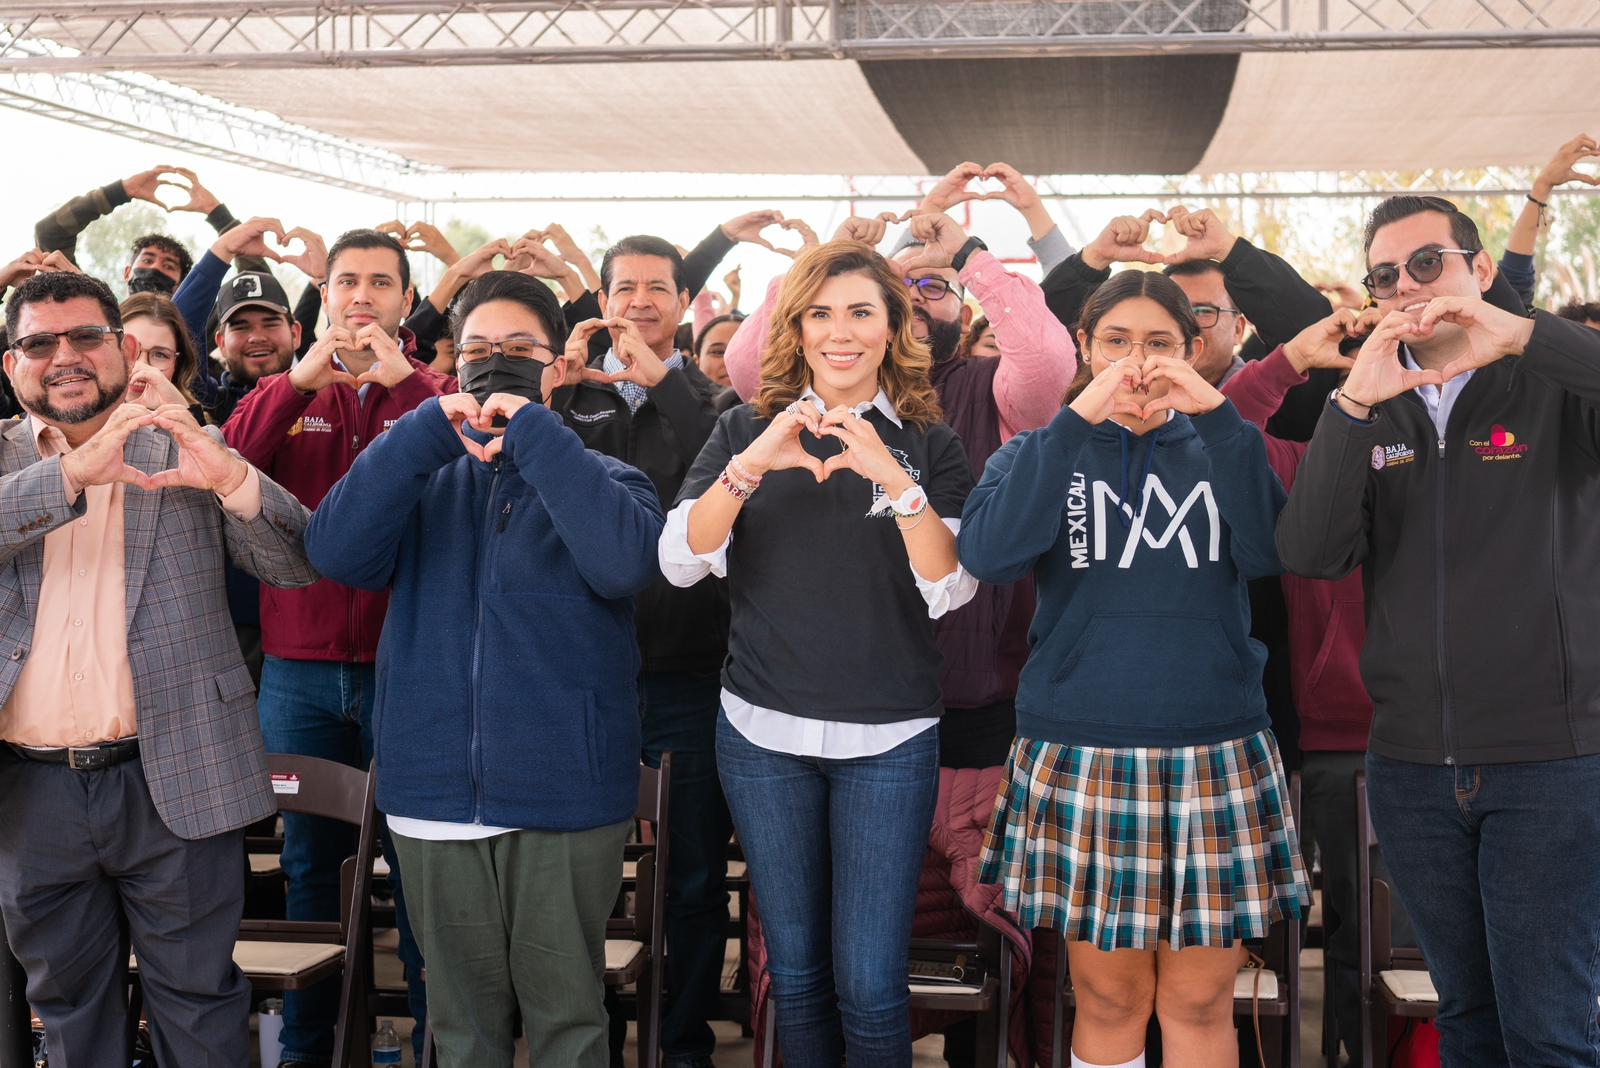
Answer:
(81, 159)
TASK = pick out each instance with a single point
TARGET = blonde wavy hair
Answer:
(903, 375)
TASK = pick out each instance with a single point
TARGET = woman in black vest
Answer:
(831, 504)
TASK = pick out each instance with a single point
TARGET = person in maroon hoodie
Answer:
(1326, 628)
(304, 428)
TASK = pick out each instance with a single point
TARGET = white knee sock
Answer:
(1079, 1062)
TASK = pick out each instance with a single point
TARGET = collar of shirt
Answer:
(880, 402)
(613, 364)
(49, 440)
(1438, 401)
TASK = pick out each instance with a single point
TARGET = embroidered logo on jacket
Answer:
(1502, 445)
(1138, 531)
(1389, 455)
(590, 417)
(311, 424)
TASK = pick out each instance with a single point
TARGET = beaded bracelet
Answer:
(742, 475)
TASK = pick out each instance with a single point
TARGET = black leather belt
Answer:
(92, 758)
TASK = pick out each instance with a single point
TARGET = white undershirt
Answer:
(1439, 401)
(803, 735)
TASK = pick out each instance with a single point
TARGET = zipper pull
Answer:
(355, 442)
(501, 528)
(1441, 448)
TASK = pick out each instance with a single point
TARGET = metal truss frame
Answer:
(164, 35)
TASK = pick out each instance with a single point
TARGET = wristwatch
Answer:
(959, 260)
(910, 503)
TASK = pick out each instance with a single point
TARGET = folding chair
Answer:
(16, 1019)
(635, 945)
(1393, 981)
(1275, 1009)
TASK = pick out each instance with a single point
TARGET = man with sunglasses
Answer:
(1459, 467)
(133, 760)
(306, 426)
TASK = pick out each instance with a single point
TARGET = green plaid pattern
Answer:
(1128, 848)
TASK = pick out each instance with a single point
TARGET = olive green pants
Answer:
(517, 921)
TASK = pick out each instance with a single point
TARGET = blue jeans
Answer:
(323, 708)
(835, 850)
(680, 714)
(1499, 867)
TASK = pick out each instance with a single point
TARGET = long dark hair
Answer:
(1129, 285)
(159, 307)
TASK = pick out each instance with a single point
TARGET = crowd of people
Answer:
(1137, 543)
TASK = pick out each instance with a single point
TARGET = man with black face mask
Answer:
(159, 263)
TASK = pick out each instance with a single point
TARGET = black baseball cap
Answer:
(251, 289)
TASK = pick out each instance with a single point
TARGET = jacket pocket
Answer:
(1333, 688)
(1141, 670)
(554, 744)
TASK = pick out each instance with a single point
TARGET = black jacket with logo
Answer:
(1480, 555)
(679, 629)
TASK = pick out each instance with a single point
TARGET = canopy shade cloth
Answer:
(1401, 110)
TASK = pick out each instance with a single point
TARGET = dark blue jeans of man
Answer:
(1499, 866)
(323, 708)
(835, 850)
(680, 714)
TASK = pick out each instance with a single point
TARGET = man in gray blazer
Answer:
(133, 757)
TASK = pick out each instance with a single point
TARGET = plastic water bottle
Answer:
(386, 1045)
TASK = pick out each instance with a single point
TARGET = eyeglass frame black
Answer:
(103, 331)
(949, 286)
(1366, 281)
(500, 345)
(1219, 309)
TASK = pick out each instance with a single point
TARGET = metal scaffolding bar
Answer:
(86, 36)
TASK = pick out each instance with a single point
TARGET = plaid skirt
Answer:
(1129, 848)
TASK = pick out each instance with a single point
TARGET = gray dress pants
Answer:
(87, 868)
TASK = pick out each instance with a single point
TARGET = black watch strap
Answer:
(959, 260)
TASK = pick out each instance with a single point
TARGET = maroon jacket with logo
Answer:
(1326, 620)
(306, 444)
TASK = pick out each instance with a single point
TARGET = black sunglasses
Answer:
(1208, 314)
(83, 339)
(1425, 265)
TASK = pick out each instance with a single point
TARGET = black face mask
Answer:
(520, 378)
(150, 280)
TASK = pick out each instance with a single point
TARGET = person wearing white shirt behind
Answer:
(831, 504)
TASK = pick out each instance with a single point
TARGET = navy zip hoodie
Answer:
(1142, 632)
(506, 669)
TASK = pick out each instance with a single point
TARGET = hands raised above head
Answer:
(34, 262)
(867, 231)
(421, 237)
(1123, 239)
(941, 238)
(1562, 167)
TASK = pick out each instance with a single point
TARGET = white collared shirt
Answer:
(1439, 401)
(802, 735)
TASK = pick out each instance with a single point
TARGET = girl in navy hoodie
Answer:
(1145, 814)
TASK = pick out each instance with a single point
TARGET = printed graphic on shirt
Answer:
(1389, 455)
(1078, 521)
(1502, 445)
(311, 424)
(1138, 531)
(880, 498)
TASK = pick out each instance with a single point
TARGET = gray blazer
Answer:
(199, 738)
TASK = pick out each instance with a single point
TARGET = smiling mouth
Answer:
(841, 359)
(67, 380)
(1412, 309)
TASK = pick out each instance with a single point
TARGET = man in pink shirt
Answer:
(133, 760)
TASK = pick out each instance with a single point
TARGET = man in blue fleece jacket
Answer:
(506, 724)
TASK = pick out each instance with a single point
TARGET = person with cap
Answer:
(306, 426)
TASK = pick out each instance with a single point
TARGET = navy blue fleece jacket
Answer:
(1142, 632)
(506, 691)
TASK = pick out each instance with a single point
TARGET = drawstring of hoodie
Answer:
(1123, 436)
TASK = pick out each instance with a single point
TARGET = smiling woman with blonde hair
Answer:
(830, 504)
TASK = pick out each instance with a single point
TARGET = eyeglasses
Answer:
(158, 354)
(518, 349)
(1208, 314)
(84, 339)
(1424, 266)
(932, 289)
(1119, 347)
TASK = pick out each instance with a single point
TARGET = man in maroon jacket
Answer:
(304, 428)
(1327, 626)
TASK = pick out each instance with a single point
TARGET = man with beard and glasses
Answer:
(133, 760)
(159, 263)
(986, 400)
(307, 426)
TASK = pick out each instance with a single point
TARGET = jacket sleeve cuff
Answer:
(115, 194)
(1238, 256)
